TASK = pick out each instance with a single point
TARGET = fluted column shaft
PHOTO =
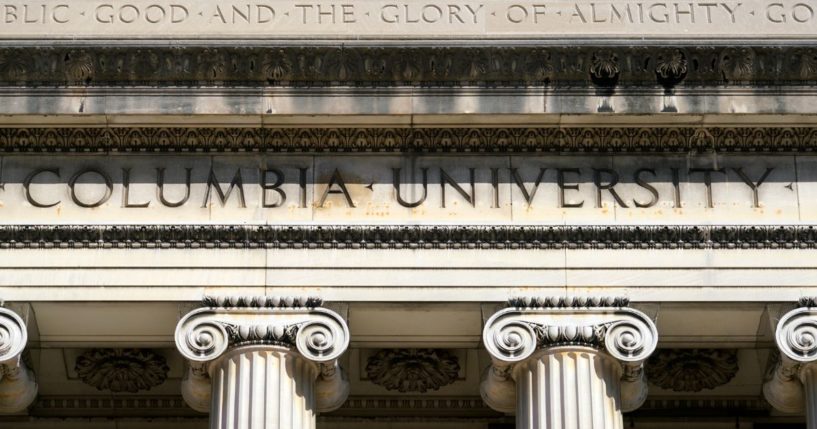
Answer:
(568, 388)
(263, 388)
(808, 376)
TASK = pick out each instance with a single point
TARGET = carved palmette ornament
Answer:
(531, 325)
(298, 324)
(692, 370)
(17, 386)
(412, 370)
(122, 370)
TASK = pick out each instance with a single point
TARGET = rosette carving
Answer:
(412, 370)
(17, 386)
(692, 370)
(122, 370)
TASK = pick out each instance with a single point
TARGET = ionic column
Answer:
(17, 386)
(567, 363)
(792, 387)
(263, 362)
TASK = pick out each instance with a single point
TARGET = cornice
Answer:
(412, 237)
(580, 64)
(589, 140)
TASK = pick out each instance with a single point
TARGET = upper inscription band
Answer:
(406, 19)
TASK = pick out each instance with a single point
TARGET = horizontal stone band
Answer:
(409, 237)
(554, 139)
(583, 64)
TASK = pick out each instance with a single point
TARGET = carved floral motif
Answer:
(412, 370)
(122, 370)
(412, 140)
(692, 370)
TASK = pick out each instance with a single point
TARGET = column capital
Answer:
(530, 326)
(17, 386)
(796, 339)
(295, 324)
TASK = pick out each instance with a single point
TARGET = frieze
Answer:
(577, 65)
(432, 140)
(409, 237)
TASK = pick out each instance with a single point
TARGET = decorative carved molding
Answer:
(17, 386)
(122, 370)
(500, 237)
(319, 335)
(262, 301)
(568, 301)
(412, 370)
(512, 337)
(573, 65)
(692, 370)
(523, 140)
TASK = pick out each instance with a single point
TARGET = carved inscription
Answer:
(604, 181)
(406, 18)
(389, 188)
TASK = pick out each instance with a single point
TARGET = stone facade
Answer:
(481, 215)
